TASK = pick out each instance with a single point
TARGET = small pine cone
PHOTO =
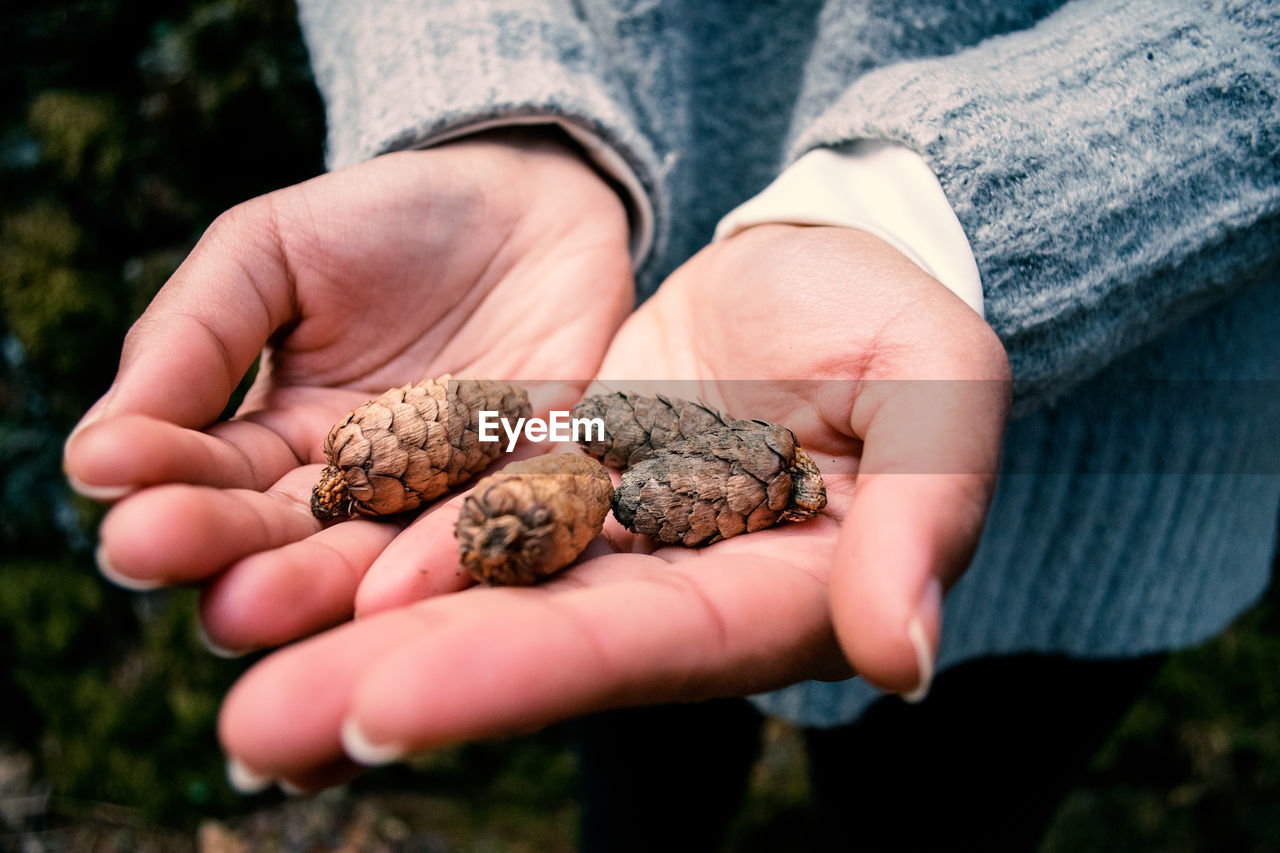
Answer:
(410, 445)
(635, 425)
(738, 479)
(532, 518)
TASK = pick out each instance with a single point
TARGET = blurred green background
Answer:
(125, 127)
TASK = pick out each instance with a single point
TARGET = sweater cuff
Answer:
(883, 188)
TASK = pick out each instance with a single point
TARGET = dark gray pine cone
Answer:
(637, 424)
(739, 478)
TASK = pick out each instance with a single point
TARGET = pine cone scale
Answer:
(694, 476)
(532, 518)
(411, 444)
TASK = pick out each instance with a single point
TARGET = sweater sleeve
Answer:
(404, 74)
(1115, 166)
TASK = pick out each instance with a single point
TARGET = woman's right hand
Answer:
(503, 255)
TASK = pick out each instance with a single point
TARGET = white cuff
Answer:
(602, 156)
(879, 187)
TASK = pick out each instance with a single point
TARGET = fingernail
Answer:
(91, 417)
(104, 494)
(213, 648)
(101, 494)
(245, 780)
(292, 790)
(929, 608)
(361, 750)
(108, 571)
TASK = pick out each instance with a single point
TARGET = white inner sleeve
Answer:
(879, 187)
(602, 156)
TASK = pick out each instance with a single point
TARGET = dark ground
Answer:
(124, 129)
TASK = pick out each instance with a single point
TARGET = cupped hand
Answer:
(500, 256)
(898, 390)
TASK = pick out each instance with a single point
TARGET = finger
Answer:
(282, 719)
(245, 780)
(272, 597)
(517, 660)
(420, 563)
(423, 561)
(182, 534)
(925, 481)
(112, 458)
(189, 350)
(491, 661)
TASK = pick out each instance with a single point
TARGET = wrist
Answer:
(529, 151)
(546, 139)
(549, 174)
(879, 187)
(826, 264)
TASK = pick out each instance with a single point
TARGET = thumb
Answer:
(928, 470)
(185, 355)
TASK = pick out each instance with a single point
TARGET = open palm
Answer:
(504, 256)
(902, 402)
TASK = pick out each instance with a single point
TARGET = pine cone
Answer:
(410, 445)
(741, 478)
(635, 425)
(532, 518)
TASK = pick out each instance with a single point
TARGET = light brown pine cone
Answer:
(410, 445)
(532, 518)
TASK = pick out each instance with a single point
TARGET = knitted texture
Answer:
(1110, 187)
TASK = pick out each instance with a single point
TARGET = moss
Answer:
(116, 720)
(49, 299)
(82, 134)
(129, 127)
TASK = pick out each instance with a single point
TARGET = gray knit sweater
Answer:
(1115, 166)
